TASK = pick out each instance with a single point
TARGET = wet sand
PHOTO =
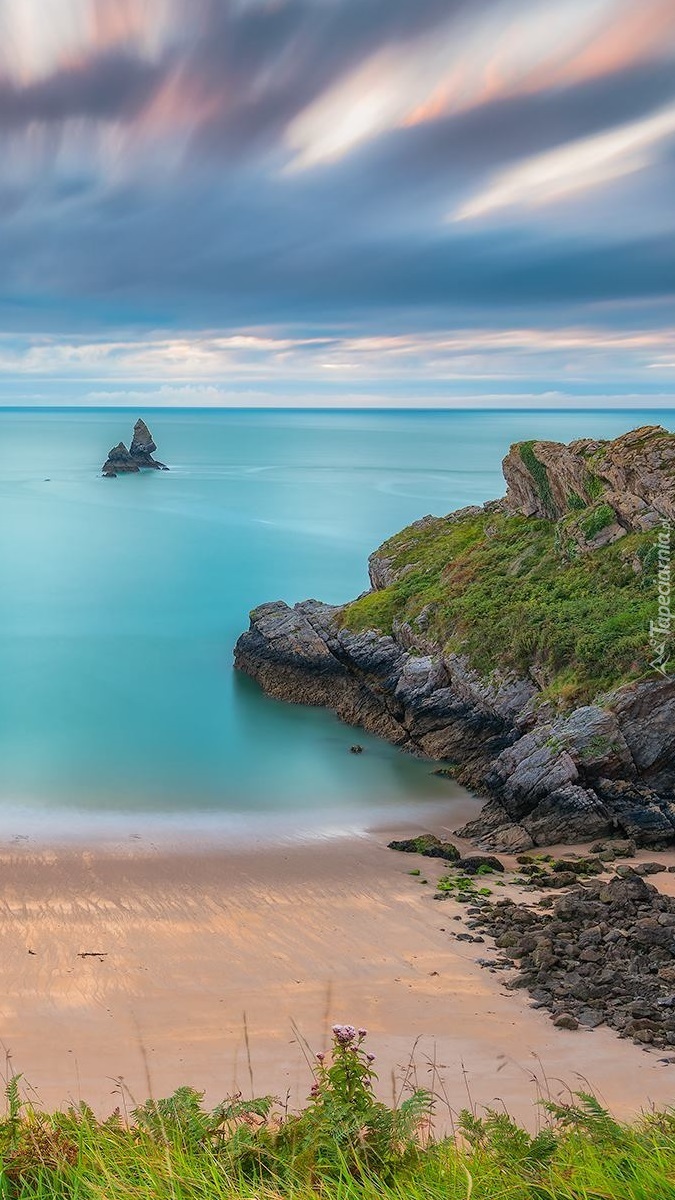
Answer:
(202, 952)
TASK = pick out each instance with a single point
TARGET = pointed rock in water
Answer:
(143, 447)
(121, 461)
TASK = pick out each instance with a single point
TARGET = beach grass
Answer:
(344, 1145)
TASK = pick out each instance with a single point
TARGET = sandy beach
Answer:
(190, 955)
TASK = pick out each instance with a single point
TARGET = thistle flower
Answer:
(344, 1034)
(370, 1058)
(363, 1033)
(320, 1056)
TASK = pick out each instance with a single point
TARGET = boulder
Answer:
(475, 864)
(644, 715)
(565, 1021)
(429, 846)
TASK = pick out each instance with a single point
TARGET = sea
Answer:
(121, 600)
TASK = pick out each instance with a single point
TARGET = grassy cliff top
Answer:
(525, 594)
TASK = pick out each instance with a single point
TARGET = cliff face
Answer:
(436, 674)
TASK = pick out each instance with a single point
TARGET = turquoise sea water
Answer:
(121, 601)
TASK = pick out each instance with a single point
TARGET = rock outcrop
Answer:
(121, 461)
(607, 767)
(634, 475)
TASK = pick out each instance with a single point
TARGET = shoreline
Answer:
(207, 831)
(201, 952)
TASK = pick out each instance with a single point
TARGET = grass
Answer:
(344, 1145)
(516, 595)
(594, 486)
(598, 519)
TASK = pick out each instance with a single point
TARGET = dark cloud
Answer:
(222, 235)
(241, 255)
(108, 86)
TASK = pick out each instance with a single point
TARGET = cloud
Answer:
(197, 363)
(39, 40)
(485, 54)
(574, 168)
(281, 173)
(112, 86)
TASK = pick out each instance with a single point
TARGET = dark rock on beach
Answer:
(121, 461)
(429, 846)
(473, 864)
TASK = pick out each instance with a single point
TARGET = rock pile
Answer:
(604, 954)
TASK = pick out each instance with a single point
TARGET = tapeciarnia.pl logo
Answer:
(660, 629)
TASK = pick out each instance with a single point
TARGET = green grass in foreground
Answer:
(517, 593)
(345, 1145)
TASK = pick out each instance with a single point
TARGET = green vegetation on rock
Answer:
(514, 595)
(575, 502)
(598, 519)
(539, 474)
(594, 486)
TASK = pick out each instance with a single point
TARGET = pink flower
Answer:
(344, 1034)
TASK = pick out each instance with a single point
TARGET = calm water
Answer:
(121, 601)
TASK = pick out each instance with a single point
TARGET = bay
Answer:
(121, 601)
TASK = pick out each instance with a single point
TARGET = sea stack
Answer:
(121, 461)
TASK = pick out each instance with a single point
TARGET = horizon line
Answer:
(331, 408)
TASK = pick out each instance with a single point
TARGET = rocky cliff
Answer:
(512, 642)
(121, 461)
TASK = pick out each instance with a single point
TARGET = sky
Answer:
(337, 202)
